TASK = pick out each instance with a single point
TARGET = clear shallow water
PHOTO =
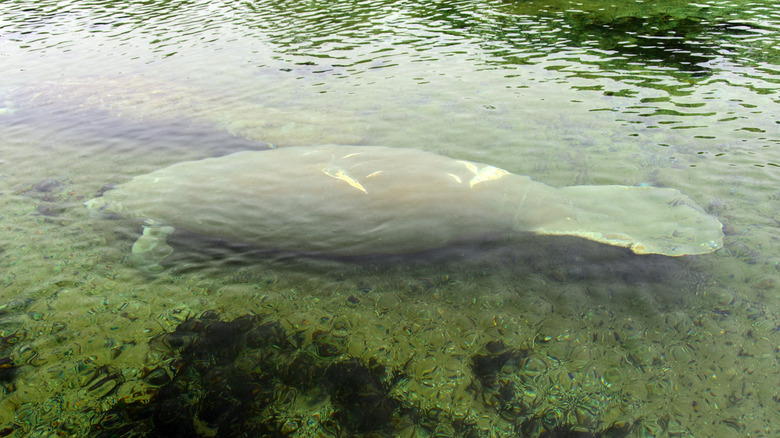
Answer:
(533, 336)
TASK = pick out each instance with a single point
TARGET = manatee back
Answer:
(336, 199)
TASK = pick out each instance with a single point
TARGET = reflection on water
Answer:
(531, 337)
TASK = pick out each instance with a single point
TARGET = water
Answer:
(534, 336)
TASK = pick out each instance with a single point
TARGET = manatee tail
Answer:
(646, 220)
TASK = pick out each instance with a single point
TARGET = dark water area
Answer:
(165, 135)
(528, 335)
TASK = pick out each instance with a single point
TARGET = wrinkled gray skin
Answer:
(352, 200)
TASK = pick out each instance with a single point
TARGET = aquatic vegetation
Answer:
(251, 376)
(13, 336)
(542, 398)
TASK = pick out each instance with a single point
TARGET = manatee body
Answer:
(133, 106)
(352, 200)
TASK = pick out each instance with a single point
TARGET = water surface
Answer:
(533, 337)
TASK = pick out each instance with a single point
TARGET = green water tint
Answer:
(542, 336)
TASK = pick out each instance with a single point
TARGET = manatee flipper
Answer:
(151, 248)
(646, 220)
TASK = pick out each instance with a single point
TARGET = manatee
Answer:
(123, 105)
(355, 200)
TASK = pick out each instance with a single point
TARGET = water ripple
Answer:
(679, 65)
(685, 42)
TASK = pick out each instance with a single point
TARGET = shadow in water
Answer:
(559, 260)
(101, 132)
